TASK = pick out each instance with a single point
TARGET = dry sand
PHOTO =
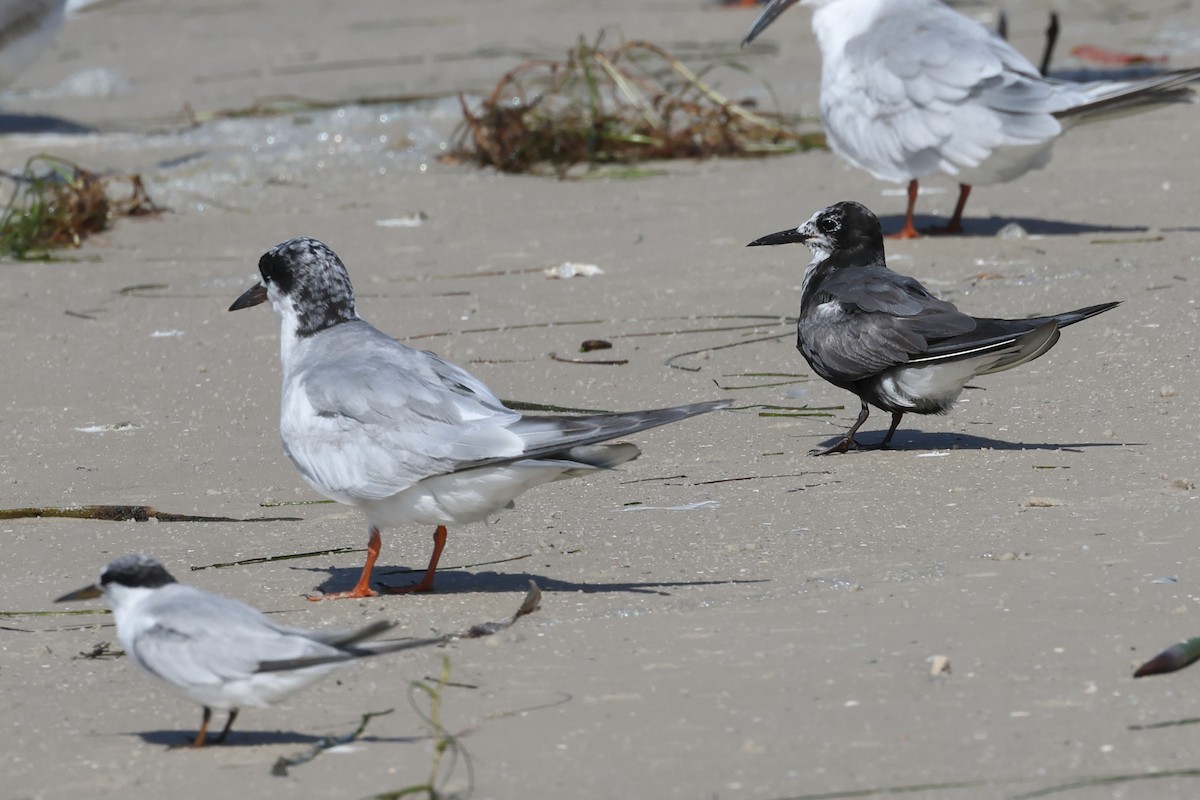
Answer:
(774, 643)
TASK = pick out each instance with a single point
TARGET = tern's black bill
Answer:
(86, 593)
(251, 297)
(783, 237)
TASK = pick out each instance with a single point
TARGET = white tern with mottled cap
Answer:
(401, 434)
(214, 650)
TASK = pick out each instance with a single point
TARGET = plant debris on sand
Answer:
(56, 203)
(632, 103)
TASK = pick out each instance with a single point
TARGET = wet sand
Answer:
(773, 642)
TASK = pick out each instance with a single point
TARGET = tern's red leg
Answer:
(909, 231)
(199, 740)
(955, 223)
(426, 583)
(233, 712)
(363, 587)
(955, 226)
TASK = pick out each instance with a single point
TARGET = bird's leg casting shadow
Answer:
(908, 230)
(200, 740)
(954, 226)
(362, 588)
(848, 442)
(426, 583)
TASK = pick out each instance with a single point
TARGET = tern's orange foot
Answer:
(353, 594)
(907, 232)
(187, 746)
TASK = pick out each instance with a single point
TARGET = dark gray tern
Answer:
(883, 336)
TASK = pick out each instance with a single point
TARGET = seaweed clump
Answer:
(632, 103)
(56, 203)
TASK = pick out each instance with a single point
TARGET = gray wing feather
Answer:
(885, 320)
(203, 639)
(380, 417)
(945, 89)
(385, 416)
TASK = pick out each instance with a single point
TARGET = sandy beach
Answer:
(725, 617)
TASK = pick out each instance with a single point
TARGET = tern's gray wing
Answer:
(546, 436)
(366, 417)
(192, 638)
(864, 320)
(344, 638)
(927, 89)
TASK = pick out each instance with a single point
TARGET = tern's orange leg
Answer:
(426, 583)
(233, 712)
(199, 740)
(203, 728)
(955, 223)
(955, 226)
(909, 231)
(363, 587)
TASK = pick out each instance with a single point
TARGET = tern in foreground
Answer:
(912, 88)
(401, 434)
(221, 653)
(884, 337)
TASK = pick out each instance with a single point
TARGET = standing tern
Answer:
(883, 336)
(212, 649)
(912, 88)
(26, 28)
(401, 434)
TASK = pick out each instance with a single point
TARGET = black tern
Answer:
(912, 88)
(401, 434)
(883, 336)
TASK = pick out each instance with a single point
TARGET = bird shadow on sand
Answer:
(455, 581)
(917, 441)
(248, 738)
(990, 226)
(39, 123)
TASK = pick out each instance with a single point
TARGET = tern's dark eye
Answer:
(827, 224)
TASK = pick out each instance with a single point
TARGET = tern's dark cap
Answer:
(314, 279)
(136, 571)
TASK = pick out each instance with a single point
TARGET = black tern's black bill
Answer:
(253, 296)
(790, 236)
(86, 593)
